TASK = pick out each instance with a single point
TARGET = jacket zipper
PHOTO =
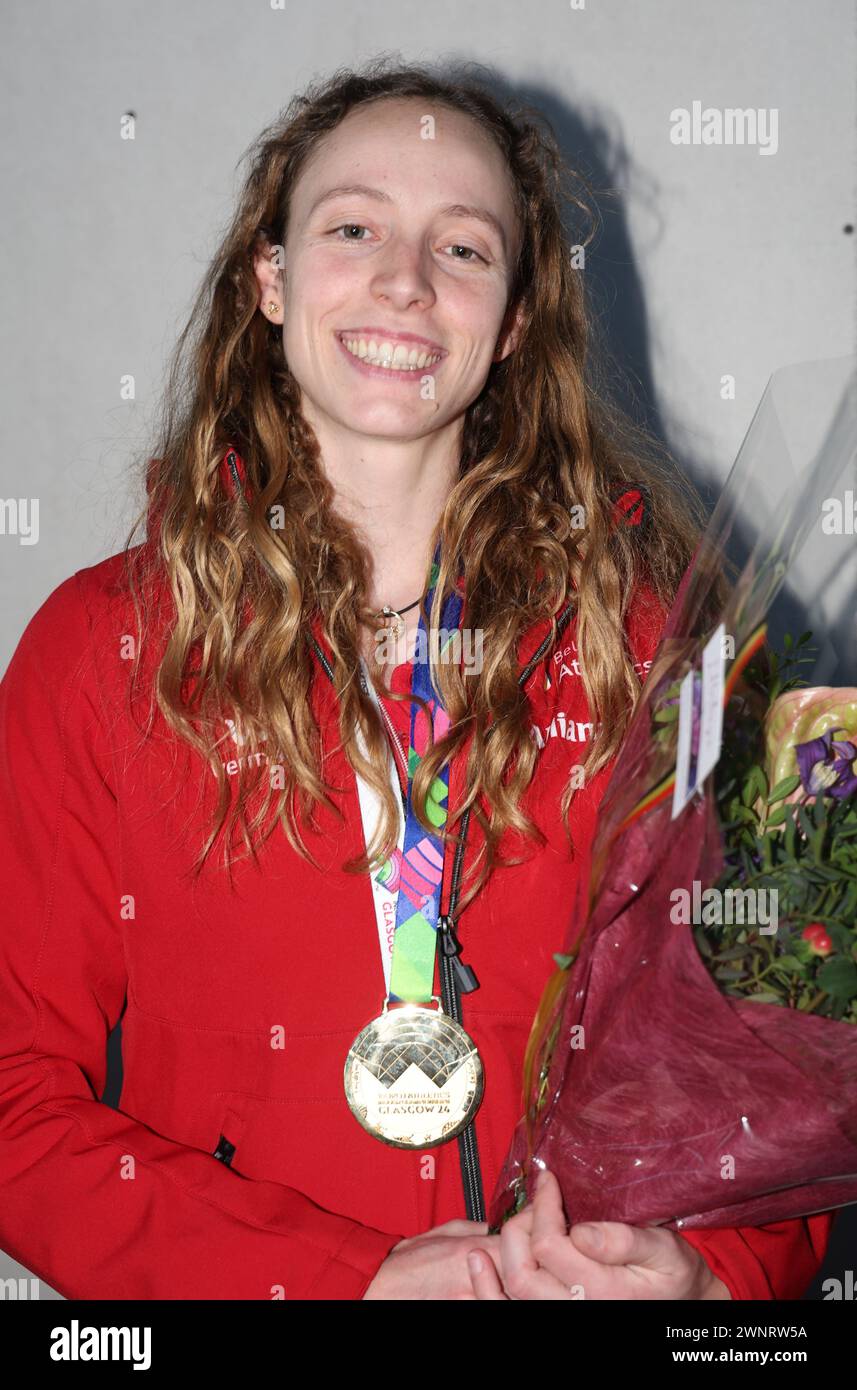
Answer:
(456, 978)
(397, 742)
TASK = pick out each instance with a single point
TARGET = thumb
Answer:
(615, 1243)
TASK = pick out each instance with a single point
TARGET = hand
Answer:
(434, 1264)
(541, 1260)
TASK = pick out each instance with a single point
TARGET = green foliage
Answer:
(805, 850)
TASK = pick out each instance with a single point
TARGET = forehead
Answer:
(391, 146)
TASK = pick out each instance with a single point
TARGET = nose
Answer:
(404, 278)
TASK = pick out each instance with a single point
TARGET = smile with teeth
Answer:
(384, 354)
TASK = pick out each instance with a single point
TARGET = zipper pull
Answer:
(225, 1150)
(451, 948)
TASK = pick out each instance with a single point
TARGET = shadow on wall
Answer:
(617, 297)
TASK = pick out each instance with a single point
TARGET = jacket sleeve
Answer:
(93, 1202)
(776, 1261)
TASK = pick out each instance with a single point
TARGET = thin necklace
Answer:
(386, 613)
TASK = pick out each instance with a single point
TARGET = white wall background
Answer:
(713, 259)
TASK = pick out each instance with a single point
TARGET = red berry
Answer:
(818, 939)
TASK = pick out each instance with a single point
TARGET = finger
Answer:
(523, 1276)
(549, 1235)
(608, 1273)
(483, 1277)
(522, 1220)
(642, 1246)
(559, 1260)
(548, 1216)
(457, 1227)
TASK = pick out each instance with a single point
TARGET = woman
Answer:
(381, 416)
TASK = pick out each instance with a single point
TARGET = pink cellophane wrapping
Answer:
(675, 1078)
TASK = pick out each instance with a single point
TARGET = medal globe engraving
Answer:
(413, 1077)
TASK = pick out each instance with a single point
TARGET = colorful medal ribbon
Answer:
(418, 868)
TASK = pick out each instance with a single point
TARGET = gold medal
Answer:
(413, 1077)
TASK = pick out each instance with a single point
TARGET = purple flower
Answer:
(828, 766)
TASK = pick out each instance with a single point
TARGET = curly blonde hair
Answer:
(542, 438)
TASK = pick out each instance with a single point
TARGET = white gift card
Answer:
(700, 722)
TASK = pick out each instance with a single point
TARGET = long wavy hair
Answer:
(542, 438)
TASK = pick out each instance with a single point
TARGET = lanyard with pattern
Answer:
(409, 882)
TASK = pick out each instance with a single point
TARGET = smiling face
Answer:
(399, 259)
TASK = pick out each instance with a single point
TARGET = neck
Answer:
(394, 494)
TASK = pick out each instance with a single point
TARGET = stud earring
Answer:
(272, 307)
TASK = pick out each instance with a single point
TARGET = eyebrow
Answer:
(451, 210)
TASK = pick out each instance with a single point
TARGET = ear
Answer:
(510, 332)
(270, 282)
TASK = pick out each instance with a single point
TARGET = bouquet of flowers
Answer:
(693, 1061)
(789, 822)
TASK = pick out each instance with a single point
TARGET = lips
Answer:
(393, 357)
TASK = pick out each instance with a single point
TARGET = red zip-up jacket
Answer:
(242, 1003)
